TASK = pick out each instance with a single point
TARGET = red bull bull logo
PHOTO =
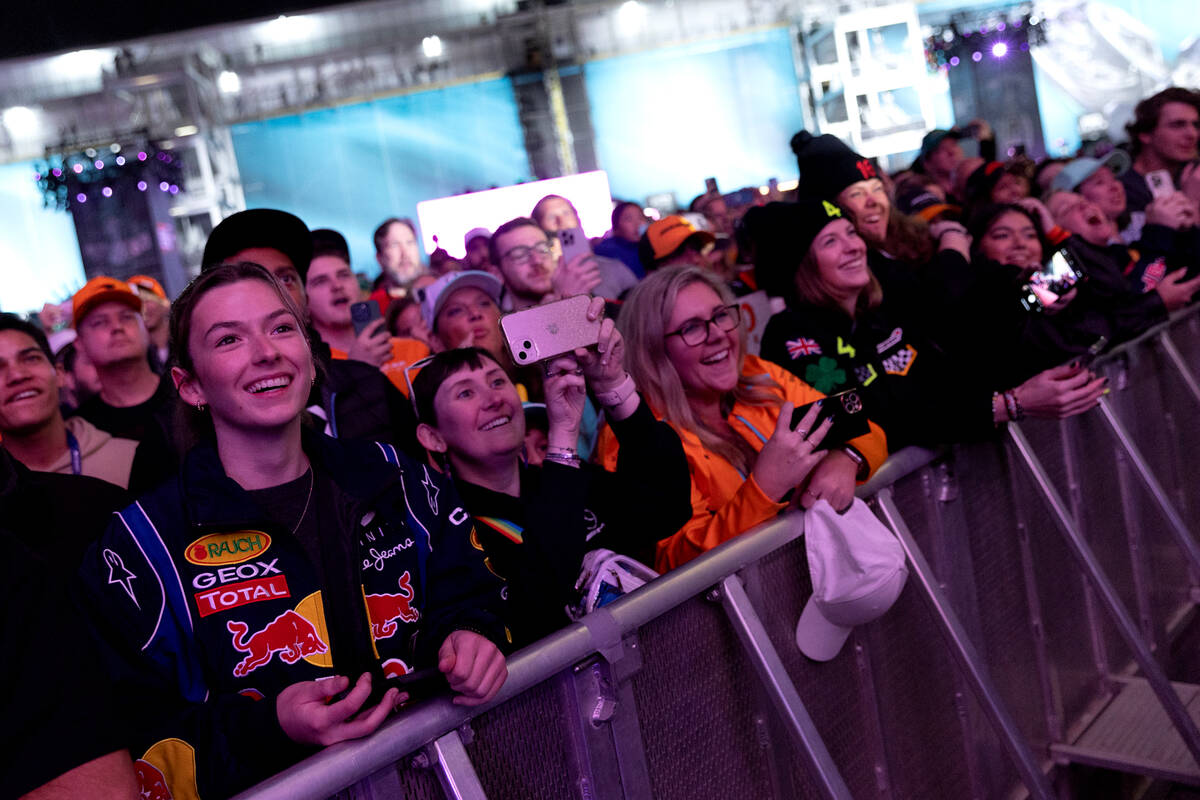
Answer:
(152, 784)
(290, 635)
(384, 609)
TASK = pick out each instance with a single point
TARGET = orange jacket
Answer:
(724, 503)
(405, 352)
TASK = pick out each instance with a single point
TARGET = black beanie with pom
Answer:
(827, 165)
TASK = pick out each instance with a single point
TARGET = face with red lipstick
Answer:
(250, 361)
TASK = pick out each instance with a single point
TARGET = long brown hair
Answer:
(643, 323)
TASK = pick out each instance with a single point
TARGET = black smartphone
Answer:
(848, 414)
(363, 314)
(419, 684)
(1059, 275)
(710, 186)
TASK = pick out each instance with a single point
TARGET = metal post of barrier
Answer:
(1108, 595)
(1179, 528)
(774, 678)
(1181, 366)
(453, 766)
(964, 653)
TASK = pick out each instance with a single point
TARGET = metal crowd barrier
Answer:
(1052, 601)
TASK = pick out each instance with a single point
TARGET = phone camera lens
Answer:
(527, 344)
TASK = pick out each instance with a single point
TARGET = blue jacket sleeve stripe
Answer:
(389, 453)
(175, 647)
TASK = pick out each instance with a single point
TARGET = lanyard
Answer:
(76, 459)
(506, 528)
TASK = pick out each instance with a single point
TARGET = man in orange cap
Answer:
(155, 310)
(134, 402)
(674, 240)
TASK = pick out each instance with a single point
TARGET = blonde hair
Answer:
(643, 323)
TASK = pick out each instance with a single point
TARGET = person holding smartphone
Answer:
(733, 413)
(840, 330)
(262, 598)
(333, 290)
(536, 523)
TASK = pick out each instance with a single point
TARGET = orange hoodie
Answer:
(724, 503)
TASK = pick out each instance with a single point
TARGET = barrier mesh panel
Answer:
(1060, 589)
(1006, 642)
(831, 692)
(1158, 427)
(519, 750)
(695, 705)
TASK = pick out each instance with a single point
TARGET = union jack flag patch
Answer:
(803, 347)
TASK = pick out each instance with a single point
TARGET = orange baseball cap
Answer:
(149, 284)
(667, 235)
(102, 290)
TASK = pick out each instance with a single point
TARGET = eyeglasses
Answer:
(523, 255)
(694, 332)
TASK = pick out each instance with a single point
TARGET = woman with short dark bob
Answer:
(264, 597)
(733, 412)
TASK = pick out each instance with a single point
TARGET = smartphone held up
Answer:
(547, 331)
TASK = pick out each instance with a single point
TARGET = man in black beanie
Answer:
(352, 398)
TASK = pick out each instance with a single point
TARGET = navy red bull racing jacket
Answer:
(215, 609)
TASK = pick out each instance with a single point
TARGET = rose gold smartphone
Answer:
(543, 332)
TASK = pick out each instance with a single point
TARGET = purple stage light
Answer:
(99, 165)
(1024, 46)
(106, 191)
(141, 156)
(977, 56)
(37, 176)
(174, 189)
(78, 168)
(1001, 27)
(57, 172)
(999, 49)
(954, 62)
(120, 161)
(164, 186)
(141, 186)
(81, 197)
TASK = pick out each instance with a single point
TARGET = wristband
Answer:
(564, 456)
(859, 461)
(618, 395)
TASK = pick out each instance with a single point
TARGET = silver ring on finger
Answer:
(803, 433)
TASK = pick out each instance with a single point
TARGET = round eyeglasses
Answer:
(694, 332)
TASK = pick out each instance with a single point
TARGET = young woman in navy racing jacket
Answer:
(536, 523)
(278, 566)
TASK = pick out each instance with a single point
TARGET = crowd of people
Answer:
(265, 515)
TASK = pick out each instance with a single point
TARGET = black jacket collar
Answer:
(212, 498)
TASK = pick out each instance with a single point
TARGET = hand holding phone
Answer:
(372, 344)
(1160, 184)
(1045, 287)
(846, 411)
